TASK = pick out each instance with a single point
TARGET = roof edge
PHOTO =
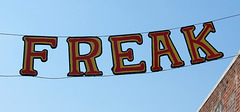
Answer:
(230, 65)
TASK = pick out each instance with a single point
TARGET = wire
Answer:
(41, 77)
(64, 36)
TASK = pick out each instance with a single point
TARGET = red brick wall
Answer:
(226, 96)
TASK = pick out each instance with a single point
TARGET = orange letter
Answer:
(89, 59)
(169, 50)
(200, 42)
(119, 55)
(30, 53)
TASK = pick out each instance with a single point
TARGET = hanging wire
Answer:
(42, 77)
(64, 36)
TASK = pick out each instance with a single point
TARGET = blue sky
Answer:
(179, 90)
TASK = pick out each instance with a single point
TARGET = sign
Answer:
(194, 43)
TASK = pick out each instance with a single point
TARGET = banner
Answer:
(194, 44)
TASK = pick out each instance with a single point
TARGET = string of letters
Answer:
(119, 68)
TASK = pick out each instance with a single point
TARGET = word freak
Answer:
(193, 44)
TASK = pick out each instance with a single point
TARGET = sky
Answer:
(178, 90)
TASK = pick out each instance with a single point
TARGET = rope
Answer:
(41, 77)
(64, 36)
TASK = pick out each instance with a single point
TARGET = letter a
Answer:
(169, 50)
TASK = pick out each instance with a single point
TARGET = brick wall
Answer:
(225, 97)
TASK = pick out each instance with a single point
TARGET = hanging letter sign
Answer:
(158, 38)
